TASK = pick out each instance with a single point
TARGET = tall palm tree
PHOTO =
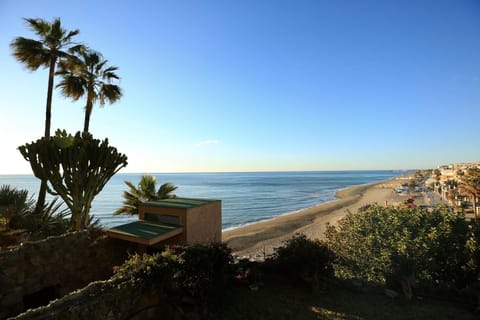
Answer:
(90, 76)
(145, 191)
(54, 44)
(452, 191)
(470, 185)
(437, 174)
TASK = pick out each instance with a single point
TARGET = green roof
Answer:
(145, 232)
(184, 203)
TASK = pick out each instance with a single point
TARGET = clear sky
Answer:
(262, 85)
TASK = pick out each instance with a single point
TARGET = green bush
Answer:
(199, 272)
(152, 271)
(13, 202)
(402, 246)
(304, 259)
(17, 208)
(203, 270)
(50, 221)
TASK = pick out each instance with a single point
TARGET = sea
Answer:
(247, 197)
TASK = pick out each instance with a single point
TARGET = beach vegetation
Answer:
(146, 190)
(88, 75)
(76, 168)
(54, 44)
(406, 248)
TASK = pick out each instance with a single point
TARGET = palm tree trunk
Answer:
(474, 203)
(86, 123)
(88, 111)
(48, 108)
(48, 114)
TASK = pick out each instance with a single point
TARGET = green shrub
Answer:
(13, 202)
(304, 259)
(50, 221)
(401, 246)
(152, 271)
(18, 210)
(203, 270)
(199, 272)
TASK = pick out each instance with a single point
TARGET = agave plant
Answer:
(52, 220)
(145, 191)
(13, 202)
(17, 209)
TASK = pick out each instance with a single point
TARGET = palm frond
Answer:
(110, 92)
(71, 34)
(30, 52)
(90, 66)
(39, 26)
(72, 86)
(77, 49)
(165, 191)
(145, 192)
(131, 200)
(147, 186)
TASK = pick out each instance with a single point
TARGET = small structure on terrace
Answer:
(173, 221)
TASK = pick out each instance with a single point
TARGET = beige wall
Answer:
(204, 223)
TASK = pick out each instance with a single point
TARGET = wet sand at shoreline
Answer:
(260, 239)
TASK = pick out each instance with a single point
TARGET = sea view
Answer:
(264, 129)
(247, 197)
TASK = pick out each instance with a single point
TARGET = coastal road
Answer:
(433, 198)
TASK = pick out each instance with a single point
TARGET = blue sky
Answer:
(262, 85)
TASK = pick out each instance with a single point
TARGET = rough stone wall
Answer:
(65, 263)
(104, 300)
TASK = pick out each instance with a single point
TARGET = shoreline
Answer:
(336, 197)
(261, 238)
(280, 215)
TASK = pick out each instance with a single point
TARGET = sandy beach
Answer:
(261, 238)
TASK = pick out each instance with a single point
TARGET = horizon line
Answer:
(249, 171)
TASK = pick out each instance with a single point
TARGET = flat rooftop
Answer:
(184, 203)
(144, 232)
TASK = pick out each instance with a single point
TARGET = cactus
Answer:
(76, 168)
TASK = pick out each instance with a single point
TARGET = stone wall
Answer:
(105, 300)
(51, 268)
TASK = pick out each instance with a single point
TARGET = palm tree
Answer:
(470, 185)
(146, 191)
(90, 76)
(452, 192)
(55, 44)
(437, 174)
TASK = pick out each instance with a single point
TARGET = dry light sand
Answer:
(259, 239)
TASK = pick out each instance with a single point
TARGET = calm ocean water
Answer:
(246, 197)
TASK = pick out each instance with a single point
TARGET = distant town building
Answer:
(450, 173)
